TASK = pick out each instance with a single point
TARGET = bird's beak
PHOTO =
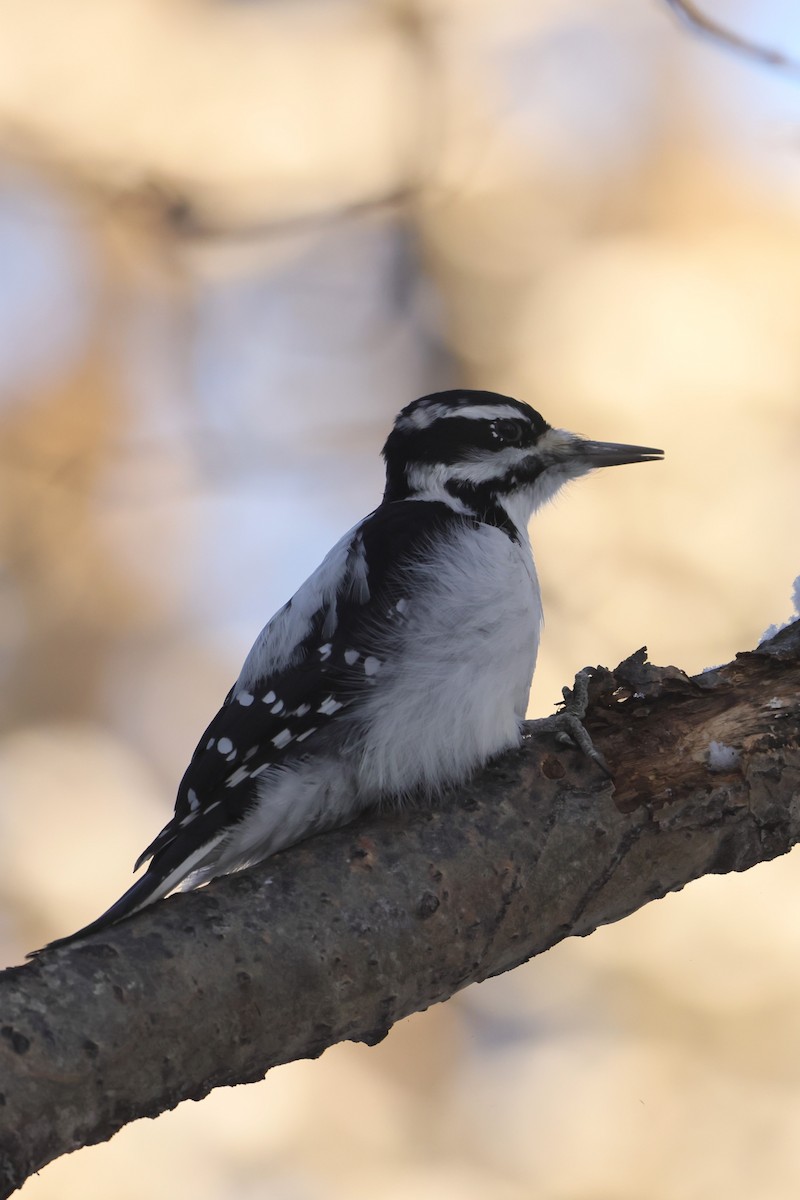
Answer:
(561, 455)
(611, 454)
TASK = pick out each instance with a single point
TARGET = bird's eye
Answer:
(509, 431)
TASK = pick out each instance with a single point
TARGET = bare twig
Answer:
(691, 15)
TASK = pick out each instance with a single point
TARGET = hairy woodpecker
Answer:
(402, 664)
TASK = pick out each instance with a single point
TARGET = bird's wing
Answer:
(312, 660)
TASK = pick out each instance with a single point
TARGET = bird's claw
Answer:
(567, 725)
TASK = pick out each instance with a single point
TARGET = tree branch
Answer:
(342, 936)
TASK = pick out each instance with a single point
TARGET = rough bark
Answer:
(342, 936)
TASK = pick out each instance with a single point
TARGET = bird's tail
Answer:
(162, 876)
(145, 891)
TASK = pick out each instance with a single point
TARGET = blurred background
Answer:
(235, 238)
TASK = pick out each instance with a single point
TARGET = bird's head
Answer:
(483, 450)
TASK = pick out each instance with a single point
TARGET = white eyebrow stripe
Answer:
(422, 418)
(485, 412)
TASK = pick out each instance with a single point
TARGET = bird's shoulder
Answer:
(353, 575)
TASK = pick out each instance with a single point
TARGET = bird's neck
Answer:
(508, 511)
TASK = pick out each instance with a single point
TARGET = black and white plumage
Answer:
(401, 665)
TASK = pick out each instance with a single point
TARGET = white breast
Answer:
(452, 692)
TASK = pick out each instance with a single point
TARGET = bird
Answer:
(400, 666)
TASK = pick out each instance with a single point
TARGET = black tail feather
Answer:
(174, 857)
(138, 896)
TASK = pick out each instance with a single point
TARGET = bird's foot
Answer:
(567, 725)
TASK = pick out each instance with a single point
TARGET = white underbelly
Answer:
(456, 688)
